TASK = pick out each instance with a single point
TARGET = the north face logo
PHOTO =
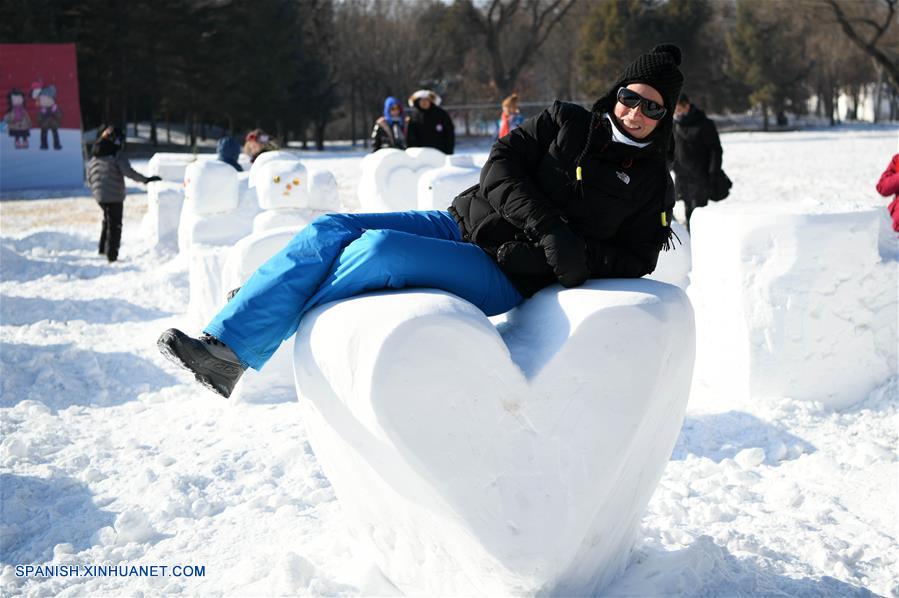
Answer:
(626, 179)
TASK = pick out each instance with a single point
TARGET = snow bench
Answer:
(475, 459)
(792, 300)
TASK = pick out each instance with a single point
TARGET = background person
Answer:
(889, 185)
(429, 124)
(697, 155)
(258, 142)
(228, 151)
(106, 172)
(390, 129)
(511, 117)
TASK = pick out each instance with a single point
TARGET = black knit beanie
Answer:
(658, 69)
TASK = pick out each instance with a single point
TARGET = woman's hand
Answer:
(567, 255)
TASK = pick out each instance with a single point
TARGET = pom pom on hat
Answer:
(669, 49)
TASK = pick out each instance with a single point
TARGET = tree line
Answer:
(310, 70)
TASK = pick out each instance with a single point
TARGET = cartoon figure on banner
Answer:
(16, 120)
(49, 115)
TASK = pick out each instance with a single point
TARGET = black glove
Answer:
(566, 253)
(154, 178)
(520, 257)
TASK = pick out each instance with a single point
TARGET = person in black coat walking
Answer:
(429, 124)
(569, 195)
(697, 155)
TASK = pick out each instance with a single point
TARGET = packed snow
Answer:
(111, 456)
(482, 460)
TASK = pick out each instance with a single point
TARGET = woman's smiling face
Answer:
(632, 120)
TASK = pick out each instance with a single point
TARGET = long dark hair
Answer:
(14, 92)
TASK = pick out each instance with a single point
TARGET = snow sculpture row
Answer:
(419, 178)
(171, 167)
(484, 461)
(223, 206)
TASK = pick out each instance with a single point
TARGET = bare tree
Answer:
(867, 25)
(513, 31)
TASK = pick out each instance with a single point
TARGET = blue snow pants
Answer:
(341, 255)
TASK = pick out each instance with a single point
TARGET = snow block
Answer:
(675, 264)
(266, 157)
(164, 202)
(792, 303)
(243, 259)
(438, 187)
(207, 295)
(389, 180)
(170, 166)
(282, 184)
(323, 190)
(220, 228)
(211, 187)
(511, 460)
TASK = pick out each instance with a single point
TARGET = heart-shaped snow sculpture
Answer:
(475, 459)
(389, 178)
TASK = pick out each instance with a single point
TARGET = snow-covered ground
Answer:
(112, 456)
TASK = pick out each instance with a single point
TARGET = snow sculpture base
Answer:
(207, 296)
(164, 202)
(473, 460)
(438, 187)
(275, 381)
(792, 304)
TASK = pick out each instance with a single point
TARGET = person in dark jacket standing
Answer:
(429, 124)
(569, 195)
(697, 155)
(390, 129)
(228, 151)
(106, 172)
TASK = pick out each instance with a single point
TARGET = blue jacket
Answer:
(228, 151)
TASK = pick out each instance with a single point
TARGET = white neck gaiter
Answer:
(619, 137)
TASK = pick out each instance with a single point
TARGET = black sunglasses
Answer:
(632, 99)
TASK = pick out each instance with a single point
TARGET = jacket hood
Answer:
(390, 101)
(228, 149)
(436, 100)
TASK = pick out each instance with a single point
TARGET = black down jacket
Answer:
(431, 128)
(697, 148)
(621, 209)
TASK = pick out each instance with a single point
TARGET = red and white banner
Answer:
(40, 131)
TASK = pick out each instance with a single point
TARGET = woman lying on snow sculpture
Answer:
(572, 194)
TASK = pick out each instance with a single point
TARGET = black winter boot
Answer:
(214, 365)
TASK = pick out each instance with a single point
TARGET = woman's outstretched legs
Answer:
(336, 257)
(269, 306)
